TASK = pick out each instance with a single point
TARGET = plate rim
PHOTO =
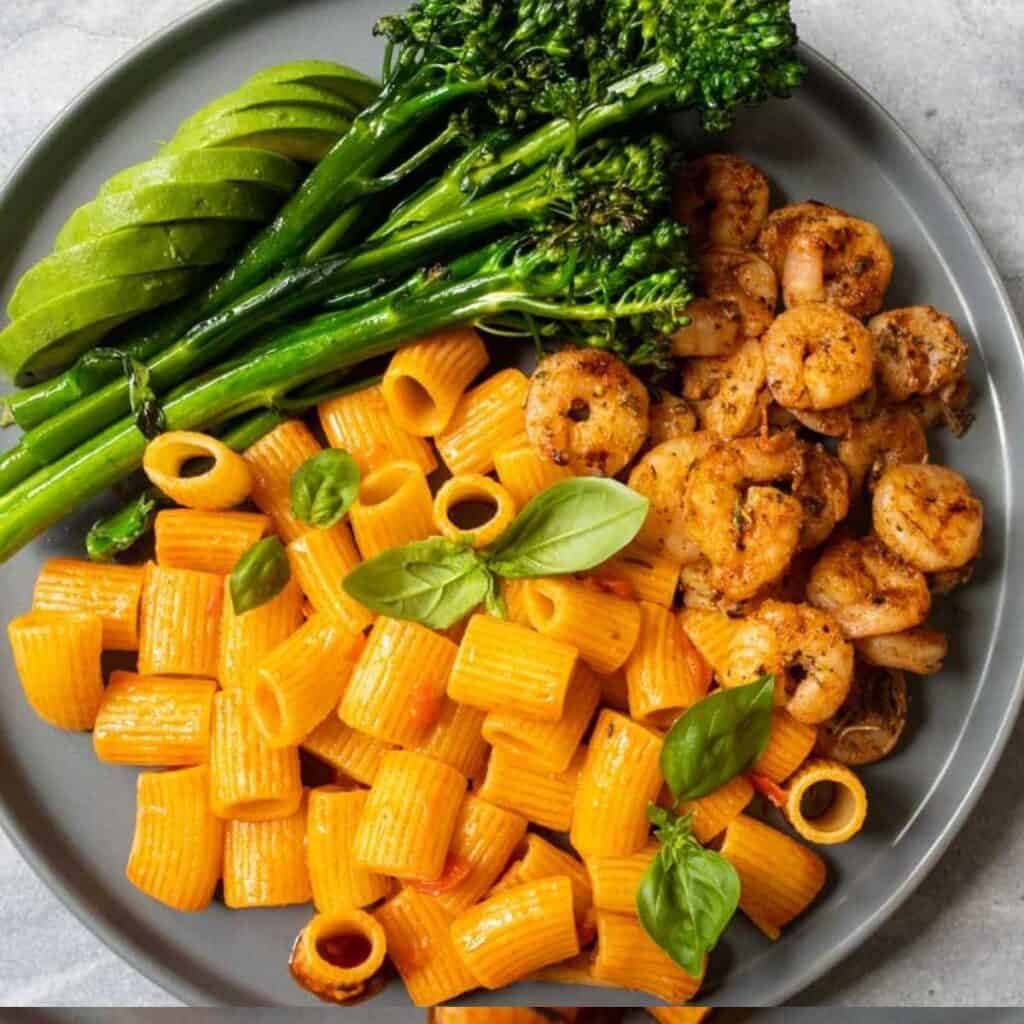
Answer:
(135, 953)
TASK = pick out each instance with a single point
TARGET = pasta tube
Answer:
(789, 745)
(420, 945)
(843, 816)
(249, 637)
(338, 883)
(320, 561)
(549, 745)
(57, 658)
(620, 777)
(250, 781)
(409, 818)
(297, 685)
(602, 627)
(540, 796)
(362, 424)
(273, 461)
(524, 472)
(540, 859)
(615, 880)
(502, 665)
(481, 491)
(712, 813)
(457, 739)
(664, 676)
(486, 418)
(154, 721)
(206, 541)
(396, 690)
(516, 931)
(113, 592)
(779, 878)
(178, 847)
(425, 380)
(347, 750)
(338, 954)
(265, 862)
(226, 483)
(650, 577)
(394, 507)
(179, 633)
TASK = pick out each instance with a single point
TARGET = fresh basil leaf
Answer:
(435, 582)
(259, 576)
(687, 897)
(125, 527)
(324, 487)
(570, 527)
(495, 602)
(718, 738)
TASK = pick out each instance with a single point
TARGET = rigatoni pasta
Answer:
(57, 658)
(265, 862)
(178, 847)
(396, 690)
(273, 461)
(249, 780)
(789, 745)
(541, 796)
(523, 472)
(338, 954)
(153, 720)
(844, 812)
(504, 665)
(349, 751)
(206, 541)
(338, 882)
(516, 931)
(779, 878)
(478, 490)
(457, 738)
(486, 418)
(362, 424)
(620, 776)
(650, 577)
(537, 859)
(299, 683)
(113, 592)
(226, 483)
(426, 379)
(409, 817)
(394, 507)
(616, 879)
(179, 633)
(713, 813)
(421, 947)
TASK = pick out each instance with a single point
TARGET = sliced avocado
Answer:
(204, 166)
(141, 250)
(303, 133)
(163, 204)
(52, 336)
(260, 95)
(324, 74)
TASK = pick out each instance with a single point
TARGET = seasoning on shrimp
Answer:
(723, 199)
(823, 489)
(728, 393)
(891, 438)
(921, 650)
(586, 411)
(671, 417)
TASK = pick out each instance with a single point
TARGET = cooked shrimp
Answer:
(662, 476)
(928, 516)
(671, 417)
(744, 281)
(869, 724)
(949, 409)
(817, 357)
(921, 651)
(871, 446)
(746, 527)
(738, 650)
(784, 224)
(840, 260)
(918, 351)
(867, 589)
(836, 422)
(723, 199)
(816, 661)
(823, 489)
(587, 412)
(729, 393)
(715, 329)
(700, 592)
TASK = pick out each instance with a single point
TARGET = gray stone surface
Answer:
(950, 71)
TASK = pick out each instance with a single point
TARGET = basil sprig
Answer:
(717, 739)
(688, 895)
(259, 575)
(570, 527)
(324, 487)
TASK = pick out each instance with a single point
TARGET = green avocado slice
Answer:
(205, 166)
(52, 336)
(324, 74)
(259, 95)
(133, 251)
(302, 133)
(164, 204)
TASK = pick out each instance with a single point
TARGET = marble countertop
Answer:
(950, 71)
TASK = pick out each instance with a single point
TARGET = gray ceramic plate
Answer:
(72, 818)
